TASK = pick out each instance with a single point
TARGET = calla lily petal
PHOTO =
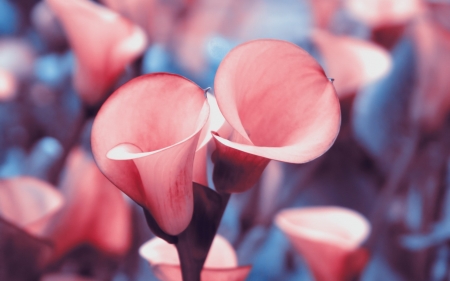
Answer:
(153, 166)
(353, 63)
(328, 238)
(101, 55)
(323, 11)
(221, 262)
(28, 203)
(88, 216)
(280, 105)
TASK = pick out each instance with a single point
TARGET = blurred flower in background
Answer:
(389, 166)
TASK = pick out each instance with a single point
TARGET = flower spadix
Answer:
(353, 63)
(280, 105)
(144, 140)
(28, 203)
(328, 238)
(103, 43)
(221, 262)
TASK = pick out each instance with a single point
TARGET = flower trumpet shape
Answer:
(28, 203)
(280, 105)
(220, 265)
(328, 238)
(101, 54)
(352, 63)
(87, 216)
(144, 139)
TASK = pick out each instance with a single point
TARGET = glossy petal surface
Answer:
(28, 203)
(352, 63)
(328, 238)
(278, 100)
(96, 211)
(144, 140)
(101, 54)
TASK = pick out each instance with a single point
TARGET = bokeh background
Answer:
(390, 61)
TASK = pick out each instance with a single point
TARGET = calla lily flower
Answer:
(144, 139)
(328, 238)
(221, 263)
(29, 203)
(101, 54)
(95, 212)
(280, 105)
(352, 63)
(379, 13)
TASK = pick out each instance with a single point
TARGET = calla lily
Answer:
(95, 212)
(144, 140)
(328, 238)
(379, 13)
(221, 263)
(280, 105)
(353, 63)
(101, 55)
(28, 203)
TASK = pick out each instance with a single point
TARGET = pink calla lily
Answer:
(95, 212)
(280, 105)
(328, 238)
(148, 149)
(221, 263)
(352, 63)
(29, 203)
(101, 55)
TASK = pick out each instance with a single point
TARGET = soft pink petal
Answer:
(377, 13)
(8, 86)
(95, 212)
(151, 126)
(278, 100)
(327, 238)
(353, 63)
(29, 203)
(101, 54)
(221, 263)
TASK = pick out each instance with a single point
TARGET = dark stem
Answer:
(194, 242)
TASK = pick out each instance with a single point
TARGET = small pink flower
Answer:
(280, 105)
(221, 262)
(103, 42)
(144, 140)
(328, 238)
